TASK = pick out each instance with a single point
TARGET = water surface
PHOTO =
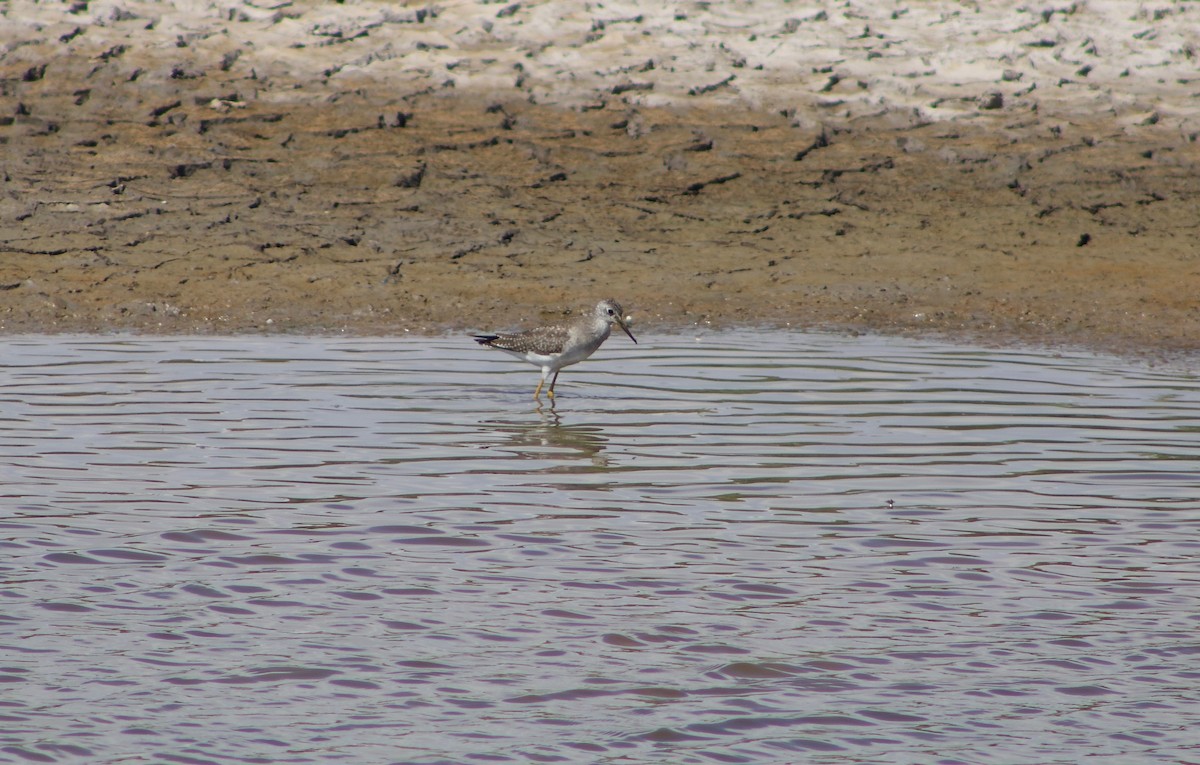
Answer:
(728, 548)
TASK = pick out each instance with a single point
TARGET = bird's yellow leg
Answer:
(550, 392)
(538, 393)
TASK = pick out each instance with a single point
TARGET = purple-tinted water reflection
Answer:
(734, 548)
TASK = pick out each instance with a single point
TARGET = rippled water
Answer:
(784, 548)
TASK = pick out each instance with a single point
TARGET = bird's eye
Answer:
(610, 312)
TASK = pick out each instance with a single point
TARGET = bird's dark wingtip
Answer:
(486, 339)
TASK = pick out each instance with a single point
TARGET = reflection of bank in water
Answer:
(435, 556)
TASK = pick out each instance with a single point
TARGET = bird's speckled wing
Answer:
(543, 340)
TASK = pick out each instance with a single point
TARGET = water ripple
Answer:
(734, 547)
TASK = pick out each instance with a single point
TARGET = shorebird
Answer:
(555, 346)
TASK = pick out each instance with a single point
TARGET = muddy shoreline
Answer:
(184, 191)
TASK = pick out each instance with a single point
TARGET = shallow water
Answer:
(718, 549)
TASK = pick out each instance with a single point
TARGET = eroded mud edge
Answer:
(194, 211)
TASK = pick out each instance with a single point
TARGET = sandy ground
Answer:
(1007, 171)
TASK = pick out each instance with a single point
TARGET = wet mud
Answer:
(157, 191)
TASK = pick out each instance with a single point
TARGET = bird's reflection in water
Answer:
(549, 437)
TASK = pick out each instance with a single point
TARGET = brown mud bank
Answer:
(145, 197)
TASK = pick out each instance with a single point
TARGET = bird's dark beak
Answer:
(624, 326)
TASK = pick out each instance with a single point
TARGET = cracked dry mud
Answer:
(178, 199)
